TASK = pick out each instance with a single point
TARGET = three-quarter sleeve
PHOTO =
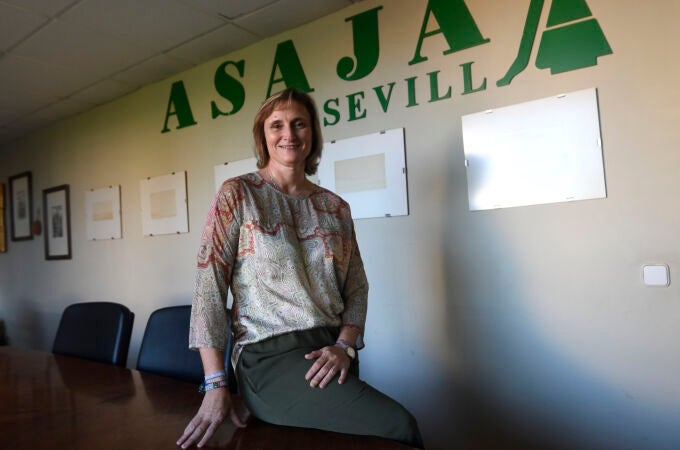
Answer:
(216, 256)
(355, 290)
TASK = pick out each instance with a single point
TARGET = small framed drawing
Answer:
(369, 172)
(233, 169)
(57, 220)
(21, 206)
(164, 204)
(3, 235)
(102, 210)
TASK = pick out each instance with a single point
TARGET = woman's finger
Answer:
(343, 375)
(324, 375)
(330, 374)
(208, 433)
(314, 354)
(195, 435)
(318, 364)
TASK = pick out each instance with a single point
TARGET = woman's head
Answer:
(283, 100)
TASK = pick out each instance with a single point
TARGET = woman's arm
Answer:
(331, 359)
(217, 405)
(355, 297)
(208, 328)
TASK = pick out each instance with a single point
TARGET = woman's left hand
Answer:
(329, 361)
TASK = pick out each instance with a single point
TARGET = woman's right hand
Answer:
(217, 405)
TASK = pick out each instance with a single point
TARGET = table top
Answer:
(56, 402)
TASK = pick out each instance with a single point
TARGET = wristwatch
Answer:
(349, 350)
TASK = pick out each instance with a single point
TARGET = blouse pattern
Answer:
(292, 264)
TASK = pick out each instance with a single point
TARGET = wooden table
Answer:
(56, 402)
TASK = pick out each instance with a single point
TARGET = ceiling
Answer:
(62, 57)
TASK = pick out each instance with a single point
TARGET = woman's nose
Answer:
(287, 131)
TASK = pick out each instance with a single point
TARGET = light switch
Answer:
(656, 275)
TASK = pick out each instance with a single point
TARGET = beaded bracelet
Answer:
(345, 343)
(205, 387)
(214, 375)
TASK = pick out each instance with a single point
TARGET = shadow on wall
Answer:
(519, 390)
(28, 330)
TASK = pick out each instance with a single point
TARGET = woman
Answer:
(287, 249)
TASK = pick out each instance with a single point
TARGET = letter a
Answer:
(456, 24)
(182, 109)
(287, 61)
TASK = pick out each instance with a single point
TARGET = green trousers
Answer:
(271, 378)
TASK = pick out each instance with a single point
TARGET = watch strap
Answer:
(349, 349)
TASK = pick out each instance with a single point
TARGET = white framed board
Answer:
(542, 151)
(369, 172)
(232, 169)
(164, 204)
(102, 212)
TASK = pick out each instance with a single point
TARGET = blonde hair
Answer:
(286, 97)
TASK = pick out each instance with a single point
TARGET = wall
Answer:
(526, 325)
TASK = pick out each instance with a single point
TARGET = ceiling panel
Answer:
(287, 14)
(30, 89)
(60, 57)
(219, 42)
(48, 7)
(231, 9)
(67, 44)
(25, 74)
(155, 24)
(152, 69)
(102, 92)
(16, 24)
(57, 110)
(8, 115)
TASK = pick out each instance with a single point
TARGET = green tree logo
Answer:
(572, 40)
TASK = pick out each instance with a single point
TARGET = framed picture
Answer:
(102, 211)
(3, 235)
(57, 220)
(21, 206)
(164, 204)
(369, 172)
(232, 169)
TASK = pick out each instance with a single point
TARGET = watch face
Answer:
(351, 352)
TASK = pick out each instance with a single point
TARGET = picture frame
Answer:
(368, 172)
(21, 206)
(57, 222)
(232, 169)
(3, 233)
(103, 213)
(164, 204)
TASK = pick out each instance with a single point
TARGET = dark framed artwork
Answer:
(21, 206)
(3, 234)
(57, 222)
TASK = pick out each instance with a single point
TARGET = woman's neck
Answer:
(291, 181)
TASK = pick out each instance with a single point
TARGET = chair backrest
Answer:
(99, 331)
(3, 339)
(165, 346)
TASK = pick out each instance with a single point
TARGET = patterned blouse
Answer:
(292, 263)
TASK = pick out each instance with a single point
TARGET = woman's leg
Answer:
(272, 382)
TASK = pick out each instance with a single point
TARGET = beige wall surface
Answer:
(529, 323)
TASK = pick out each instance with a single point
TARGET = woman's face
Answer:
(288, 133)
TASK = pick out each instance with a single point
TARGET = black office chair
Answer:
(165, 347)
(3, 338)
(99, 331)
